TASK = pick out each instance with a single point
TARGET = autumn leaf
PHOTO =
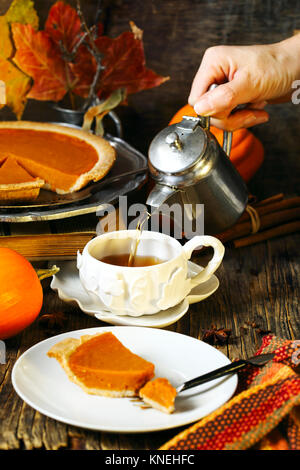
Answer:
(124, 64)
(83, 69)
(6, 47)
(63, 26)
(17, 86)
(99, 111)
(44, 54)
(37, 57)
(17, 83)
(22, 11)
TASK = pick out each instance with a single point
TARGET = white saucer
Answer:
(69, 288)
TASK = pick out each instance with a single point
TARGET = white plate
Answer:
(43, 384)
(68, 285)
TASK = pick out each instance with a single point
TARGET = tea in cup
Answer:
(157, 278)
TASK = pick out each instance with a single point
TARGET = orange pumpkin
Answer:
(247, 152)
(21, 293)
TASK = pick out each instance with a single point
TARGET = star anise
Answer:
(258, 329)
(262, 331)
(216, 336)
(53, 320)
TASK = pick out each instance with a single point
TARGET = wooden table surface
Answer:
(259, 285)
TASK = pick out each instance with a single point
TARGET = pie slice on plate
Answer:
(101, 365)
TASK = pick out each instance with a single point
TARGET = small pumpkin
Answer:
(21, 293)
(247, 152)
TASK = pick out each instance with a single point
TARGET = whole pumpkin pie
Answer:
(159, 394)
(64, 158)
(100, 364)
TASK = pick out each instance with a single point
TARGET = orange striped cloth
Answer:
(264, 413)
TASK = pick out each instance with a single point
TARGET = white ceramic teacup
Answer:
(145, 290)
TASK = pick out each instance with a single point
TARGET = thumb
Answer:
(224, 98)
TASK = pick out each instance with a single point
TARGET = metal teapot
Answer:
(190, 167)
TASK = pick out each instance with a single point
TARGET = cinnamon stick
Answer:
(266, 221)
(277, 231)
(269, 200)
(272, 207)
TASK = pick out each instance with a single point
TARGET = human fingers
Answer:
(224, 115)
(211, 71)
(225, 97)
(241, 119)
(257, 105)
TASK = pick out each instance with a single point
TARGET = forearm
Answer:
(288, 56)
(290, 51)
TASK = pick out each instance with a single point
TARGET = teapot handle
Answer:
(227, 142)
(227, 135)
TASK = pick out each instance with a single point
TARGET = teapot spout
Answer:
(159, 195)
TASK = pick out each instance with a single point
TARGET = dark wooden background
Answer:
(259, 286)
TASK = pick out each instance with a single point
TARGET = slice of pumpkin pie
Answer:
(101, 365)
(16, 184)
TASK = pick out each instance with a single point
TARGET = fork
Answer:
(231, 368)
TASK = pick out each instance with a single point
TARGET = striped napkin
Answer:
(264, 414)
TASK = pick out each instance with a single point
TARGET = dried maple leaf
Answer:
(99, 111)
(40, 60)
(48, 56)
(83, 69)
(6, 48)
(63, 26)
(22, 11)
(17, 85)
(124, 64)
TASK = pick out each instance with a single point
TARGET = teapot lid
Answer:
(179, 146)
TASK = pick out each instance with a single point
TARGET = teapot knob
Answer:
(174, 141)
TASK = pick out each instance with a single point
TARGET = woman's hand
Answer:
(251, 75)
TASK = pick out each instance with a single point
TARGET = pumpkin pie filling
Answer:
(15, 182)
(102, 365)
(12, 173)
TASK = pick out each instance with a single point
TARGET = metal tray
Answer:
(128, 173)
